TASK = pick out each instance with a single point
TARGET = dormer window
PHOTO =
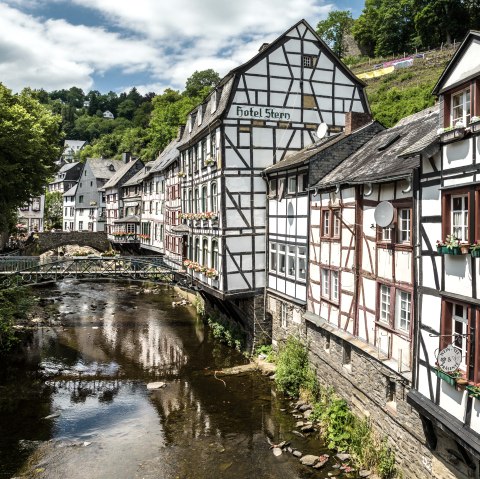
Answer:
(200, 116)
(460, 112)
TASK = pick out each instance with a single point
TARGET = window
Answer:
(80, 225)
(272, 188)
(307, 61)
(459, 217)
(336, 224)
(334, 285)
(273, 257)
(384, 303)
(395, 308)
(205, 251)
(197, 250)
(36, 204)
(459, 331)
(327, 342)
(325, 222)
(461, 107)
(347, 354)
(403, 302)
(80, 199)
(204, 199)
(302, 262)
(281, 258)
(215, 254)
(292, 185)
(291, 261)
(325, 283)
(404, 225)
(196, 206)
(213, 197)
(213, 146)
(386, 234)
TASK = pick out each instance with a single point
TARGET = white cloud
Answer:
(161, 42)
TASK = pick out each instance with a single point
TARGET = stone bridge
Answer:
(51, 241)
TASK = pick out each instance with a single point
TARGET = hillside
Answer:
(406, 91)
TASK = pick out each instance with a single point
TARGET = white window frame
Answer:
(291, 262)
(337, 224)
(292, 185)
(403, 310)
(326, 214)
(325, 277)
(273, 258)
(460, 229)
(302, 261)
(461, 112)
(385, 302)
(334, 285)
(459, 338)
(404, 225)
(282, 258)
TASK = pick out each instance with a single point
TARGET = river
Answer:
(75, 403)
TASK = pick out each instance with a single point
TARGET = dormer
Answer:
(200, 115)
(214, 101)
(458, 88)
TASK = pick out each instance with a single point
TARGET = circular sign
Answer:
(449, 359)
(383, 214)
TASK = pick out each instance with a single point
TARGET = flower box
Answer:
(473, 391)
(475, 253)
(475, 124)
(452, 134)
(446, 377)
(453, 250)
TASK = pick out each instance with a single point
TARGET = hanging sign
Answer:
(449, 359)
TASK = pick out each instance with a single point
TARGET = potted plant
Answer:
(452, 246)
(475, 249)
(473, 391)
(449, 378)
(181, 174)
(211, 273)
(440, 246)
(209, 160)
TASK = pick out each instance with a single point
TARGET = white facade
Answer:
(31, 214)
(68, 221)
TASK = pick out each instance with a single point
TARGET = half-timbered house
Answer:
(288, 214)
(259, 112)
(448, 308)
(361, 281)
(89, 198)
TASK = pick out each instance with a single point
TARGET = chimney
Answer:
(264, 45)
(126, 156)
(355, 120)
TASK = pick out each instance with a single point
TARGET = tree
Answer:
(195, 84)
(53, 209)
(334, 28)
(29, 146)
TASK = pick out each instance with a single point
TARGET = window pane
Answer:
(385, 303)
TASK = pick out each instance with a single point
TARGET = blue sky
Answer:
(151, 44)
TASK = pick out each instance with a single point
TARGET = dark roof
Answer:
(119, 174)
(71, 191)
(303, 156)
(381, 158)
(138, 177)
(128, 219)
(166, 157)
(324, 155)
(473, 34)
(104, 168)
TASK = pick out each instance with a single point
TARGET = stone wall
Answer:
(373, 390)
(51, 241)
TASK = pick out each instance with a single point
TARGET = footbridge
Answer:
(26, 270)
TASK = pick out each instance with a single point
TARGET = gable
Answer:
(467, 66)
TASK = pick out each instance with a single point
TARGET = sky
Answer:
(114, 45)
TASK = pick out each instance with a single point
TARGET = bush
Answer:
(14, 305)
(230, 336)
(293, 371)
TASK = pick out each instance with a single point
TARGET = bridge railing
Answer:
(10, 264)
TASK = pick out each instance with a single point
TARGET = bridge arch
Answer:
(52, 240)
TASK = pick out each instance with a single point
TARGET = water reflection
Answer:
(95, 368)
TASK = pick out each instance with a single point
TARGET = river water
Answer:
(79, 393)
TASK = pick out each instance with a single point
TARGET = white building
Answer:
(69, 209)
(31, 214)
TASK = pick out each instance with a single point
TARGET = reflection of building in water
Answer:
(149, 342)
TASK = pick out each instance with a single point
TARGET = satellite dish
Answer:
(383, 214)
(322, 130)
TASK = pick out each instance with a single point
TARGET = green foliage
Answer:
(268, 351)
(293, 370)
(333, 29)
(53, 209)
(14, 305)
(386, 462)
(391, 27)
(200, 83)
(229, 335)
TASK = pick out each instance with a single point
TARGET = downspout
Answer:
(414, 181)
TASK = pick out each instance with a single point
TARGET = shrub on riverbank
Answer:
(226, 334)
(15, 303)
(340, 428)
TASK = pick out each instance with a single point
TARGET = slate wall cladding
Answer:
(281, 332)
(364, 383)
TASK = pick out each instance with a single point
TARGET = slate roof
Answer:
(166, 157)
(71, 191)
(324, 155)
(138, 177)
(381, 158)
(119, 174)
(128, 219)
(101, 167)
(74, 144)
